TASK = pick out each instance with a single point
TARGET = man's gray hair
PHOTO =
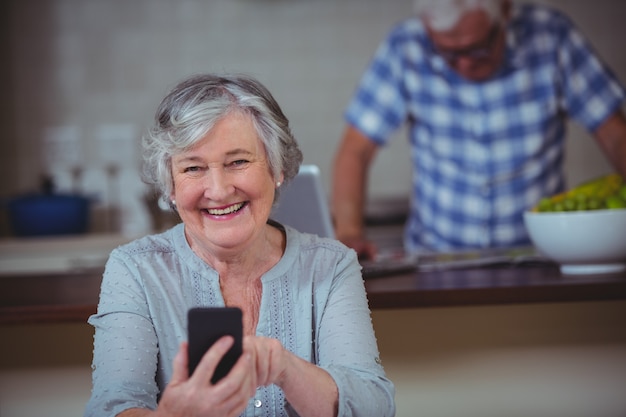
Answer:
(442, 15)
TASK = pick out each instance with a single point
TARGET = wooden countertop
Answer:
(54, 298)
(36, 287)
(492, 285)
(72, 297)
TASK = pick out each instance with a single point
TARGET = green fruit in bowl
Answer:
(615, 202)
(606, 192)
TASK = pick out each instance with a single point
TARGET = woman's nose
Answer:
(217, 184)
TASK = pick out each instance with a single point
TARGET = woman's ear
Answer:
(172, 200)
(281, 180)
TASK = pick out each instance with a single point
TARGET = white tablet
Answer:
(303, 204)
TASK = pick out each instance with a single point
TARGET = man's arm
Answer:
(350, 177)
(611, 136)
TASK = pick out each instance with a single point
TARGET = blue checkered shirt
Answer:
(484, 152)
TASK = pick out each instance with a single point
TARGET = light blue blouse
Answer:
(313, 302)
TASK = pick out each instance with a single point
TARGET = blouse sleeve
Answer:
(348, 349)
(125, 344)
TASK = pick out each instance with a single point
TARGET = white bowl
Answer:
(582, 242)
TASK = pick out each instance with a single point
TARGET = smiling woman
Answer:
(219, 152)
(196, 105)
(224, 188)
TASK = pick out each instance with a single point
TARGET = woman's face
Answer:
(223, 187)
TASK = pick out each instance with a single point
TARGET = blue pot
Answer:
(49, 214)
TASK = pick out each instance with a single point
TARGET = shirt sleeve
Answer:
(591, 92)
(378, 106)
(125, 344)
(348, 349)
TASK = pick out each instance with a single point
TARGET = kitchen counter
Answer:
(499, 284)
(72, 297)
(53, 280)
(53, 298)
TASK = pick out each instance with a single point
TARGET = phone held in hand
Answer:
(205, 325)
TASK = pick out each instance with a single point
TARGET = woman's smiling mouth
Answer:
(227, 210)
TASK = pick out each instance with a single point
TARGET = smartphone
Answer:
(205, 325)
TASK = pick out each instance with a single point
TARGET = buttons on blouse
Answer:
(258, 403)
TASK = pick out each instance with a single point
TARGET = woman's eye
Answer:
(238, 163)
(191, 169)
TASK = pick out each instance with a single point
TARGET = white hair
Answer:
(444, 14)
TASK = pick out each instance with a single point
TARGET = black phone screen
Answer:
(205, 325)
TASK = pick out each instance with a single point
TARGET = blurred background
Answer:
(80, 82)
(82, 79)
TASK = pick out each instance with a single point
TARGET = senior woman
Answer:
(219, 152)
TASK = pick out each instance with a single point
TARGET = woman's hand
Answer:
(196, 396)
(270, 359)
(309, 389)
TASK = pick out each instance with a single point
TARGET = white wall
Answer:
(98, 66)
